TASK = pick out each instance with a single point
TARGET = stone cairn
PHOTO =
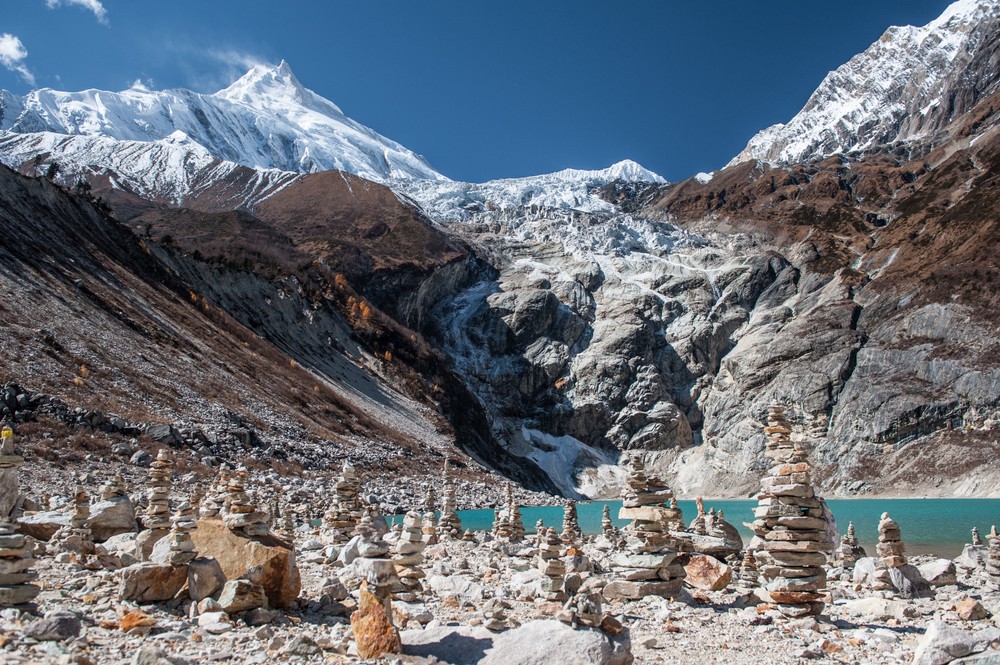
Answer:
(9, 462)
(790, 527)
(890, 543)
(977, 541)
(161, 472)
(699, 525)
(513, 516)
(993, 554)
(372, 624)
(239, 513)
(286, 527)
(848, 553)
(428, 524)
(408, 555)
(450, 524)
(76, 537)
(15, 567)
(648, 568)
(113, 488)
(607, 526)
(181, 550)
(215, 498)
(495, 617)
(571, 535)
(749, 573)
(550, 565)
(346, 511)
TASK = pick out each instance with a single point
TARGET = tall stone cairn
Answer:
(286, 527)
(791, 531)
(16, 560)
(9, 462)
(430, 501)
(513, 516)
(848, 552)
(345, 513)
(239, 512)
(450, 525)
(551, 566)
(607, 526)
(408, 554)
(181, 549)
(699, 525)
(890, 543)
(993, 554)
(571, 533)
(648, 568)
(161, 473)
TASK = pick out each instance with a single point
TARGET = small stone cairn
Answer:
(408, 555)
(215, 498)
(286, 527)
(571, 535)
(76, 537)
(993, 554)
(749, 572)
(15, 567)
(160, 479)
(790, 527)
(495, 617)
(848, 553)
(977, 541)
(551, 566)
(607, 526)
(450, 524)
(113, 488)
(239, 513)
(346, 511)
(890, 546)
(648, 568)
(181, 550)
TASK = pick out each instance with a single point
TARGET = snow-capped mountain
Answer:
(569, 189)
(903, 89)
(266, 120)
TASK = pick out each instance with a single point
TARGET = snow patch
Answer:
(579, 471)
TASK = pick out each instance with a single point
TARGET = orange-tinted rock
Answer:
(708, 573)
(372, 626)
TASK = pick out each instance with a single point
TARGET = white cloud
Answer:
(12, 55)
(93, 5)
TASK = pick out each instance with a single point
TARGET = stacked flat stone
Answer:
(160, 479)
(993, 554)
(571, 533)
(215, 499)
(890, 543)
(408, 554)
(551, 566)
(495, 617)
(428, 526)
(16, 561)
(513, 516)
(76, 537)
(848, 553)
(373, 563)
(749, 573)
(977, 541)
(346, 511)
(286, 527)
(181, 550)
(791, 531)
(699, 525)
(583, 608)
(113, 488)
(649, 567)
(607, 526)
(450, 524)
(239, 513)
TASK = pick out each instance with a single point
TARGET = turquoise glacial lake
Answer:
(929, 526)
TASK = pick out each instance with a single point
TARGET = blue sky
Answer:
(482, 89)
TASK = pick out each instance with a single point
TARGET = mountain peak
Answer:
(267, 84)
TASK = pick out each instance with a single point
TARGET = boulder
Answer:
(939, 572)
(242, 595)
(374, 632)
(264, 560)
(942, 644)
(9, 492)
(42, 526)
(111, 517)
(970, 609)
(706, 572)
(205, 578)
(904, 581)
(151, 582)
(146, 541)
(455, 645)
(55, 627)
(971, 558)
(162, 433)
(547, 642)
(879, 609)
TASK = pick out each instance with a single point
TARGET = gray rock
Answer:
(56, 626)
(42, 526)
(942, 644)
(242, 595)
(141, 458)
(205, 578)
(112, 517)
(162, 433)
(939, 572)
(455, 645)
(549, 642)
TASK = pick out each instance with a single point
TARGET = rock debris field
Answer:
(161, 571)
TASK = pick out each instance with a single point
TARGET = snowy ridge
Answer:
(896, 91)
(569, 189)
(265, 120)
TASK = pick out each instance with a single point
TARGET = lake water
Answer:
(929, 526)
